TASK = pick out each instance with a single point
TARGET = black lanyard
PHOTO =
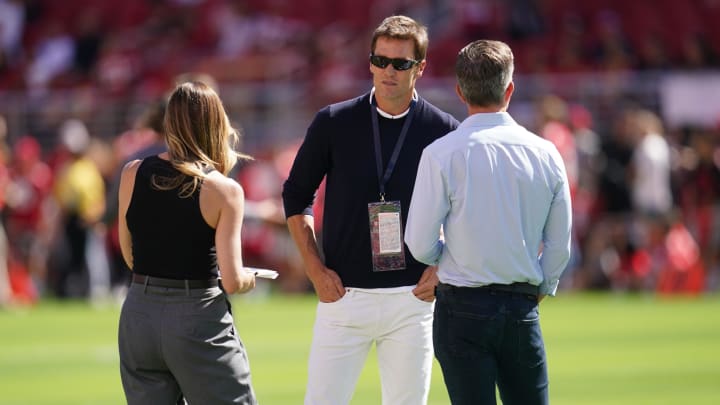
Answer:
(398, 145)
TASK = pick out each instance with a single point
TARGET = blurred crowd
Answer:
(646, 200)
(138, 46)
(646, 196)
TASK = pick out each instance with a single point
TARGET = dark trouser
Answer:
(177, 341)
(484, 337)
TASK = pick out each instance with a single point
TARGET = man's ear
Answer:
(509, 92)
(421, 67)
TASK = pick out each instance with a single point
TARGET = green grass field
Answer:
(602, 349)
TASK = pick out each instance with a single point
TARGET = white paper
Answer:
(262, 273)
(389, 232)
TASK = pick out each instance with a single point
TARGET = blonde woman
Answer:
(180, 219)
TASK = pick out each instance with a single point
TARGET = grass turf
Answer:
(602, 349)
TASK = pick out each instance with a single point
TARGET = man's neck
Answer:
(393, 107)
(473, 109)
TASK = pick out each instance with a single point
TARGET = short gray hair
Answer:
(484, 70)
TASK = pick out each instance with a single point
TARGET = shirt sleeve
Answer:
(309, 168)
(556, 234)
(428, 208)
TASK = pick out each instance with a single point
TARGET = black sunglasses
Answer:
(397, 63)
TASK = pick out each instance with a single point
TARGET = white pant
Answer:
(401, 327)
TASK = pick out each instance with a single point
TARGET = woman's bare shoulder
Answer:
(128, 172)
(223, 187)
(131, 167)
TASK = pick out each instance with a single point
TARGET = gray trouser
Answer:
(177, 342)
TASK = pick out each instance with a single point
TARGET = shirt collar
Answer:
(488, 119)
(390, 116)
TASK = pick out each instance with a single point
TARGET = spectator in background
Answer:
(650, 164)
(492, 209)
(80, 194)
(30, 185)
(614, 182)
(369, 292)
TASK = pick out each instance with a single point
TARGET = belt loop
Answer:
(147, 279)
(187, 287)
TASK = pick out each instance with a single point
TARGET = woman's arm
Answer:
(229, 197)
(127, 184)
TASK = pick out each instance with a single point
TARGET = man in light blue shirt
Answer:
(491, 207)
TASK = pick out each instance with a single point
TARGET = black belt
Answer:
(514, 288)
(173, 283)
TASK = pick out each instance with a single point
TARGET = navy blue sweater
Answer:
(339, 145)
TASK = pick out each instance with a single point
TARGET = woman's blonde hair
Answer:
(199, 137)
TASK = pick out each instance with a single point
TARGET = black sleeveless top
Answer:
(170, 238)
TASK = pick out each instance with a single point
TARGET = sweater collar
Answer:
(390, 116)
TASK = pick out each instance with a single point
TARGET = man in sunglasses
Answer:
(371, 290)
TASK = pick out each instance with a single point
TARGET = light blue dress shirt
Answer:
(500, 195)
